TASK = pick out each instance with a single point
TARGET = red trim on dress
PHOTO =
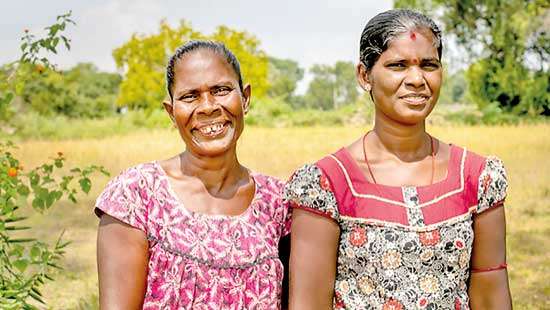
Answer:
(499, 267)
(317, 212)
(495, 205)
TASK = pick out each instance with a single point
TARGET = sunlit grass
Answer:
(524, 149)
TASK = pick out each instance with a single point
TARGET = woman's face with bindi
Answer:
(208, 107)
(406, 79)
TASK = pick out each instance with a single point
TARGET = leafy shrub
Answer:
(26, 263)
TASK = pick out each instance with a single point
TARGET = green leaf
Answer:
(23, 190)
(50, 199)
(35, 252)
(38, 203)
(21, 240)
(37, 298)
(21, 264)
(85, 185)
(16, 219)
(35, 178)
(11, 228)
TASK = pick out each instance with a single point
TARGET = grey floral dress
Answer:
(401, 247)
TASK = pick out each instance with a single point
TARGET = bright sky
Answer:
(308, 31)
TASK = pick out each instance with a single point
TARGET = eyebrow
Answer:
(403, 60)
(192, 90)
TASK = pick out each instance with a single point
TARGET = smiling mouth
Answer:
(416, 99)
(213, 130)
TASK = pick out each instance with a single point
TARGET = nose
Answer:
(208, 105)
(415, 77)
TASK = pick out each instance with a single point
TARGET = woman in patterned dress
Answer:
(198, 230)
(399, 219)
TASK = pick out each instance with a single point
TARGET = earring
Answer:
(368, 88)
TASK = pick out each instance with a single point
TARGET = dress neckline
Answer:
(353, 169)
(175, 197)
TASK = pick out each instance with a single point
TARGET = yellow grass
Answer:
(525, 151)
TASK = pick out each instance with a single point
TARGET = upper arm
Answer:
(122, 246)
(122, 257)
(488, 288)
(314, 239)
(313, 257)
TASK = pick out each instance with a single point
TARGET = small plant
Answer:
(27, 263)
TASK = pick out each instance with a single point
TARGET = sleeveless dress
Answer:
(200, 261)
(401, 247)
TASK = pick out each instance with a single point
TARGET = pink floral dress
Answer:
(401, 247)
(199, 261)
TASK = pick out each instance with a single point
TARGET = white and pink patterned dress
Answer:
(200, 261)
(401, 247)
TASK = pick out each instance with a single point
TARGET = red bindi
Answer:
(412, 35)
(415, 61)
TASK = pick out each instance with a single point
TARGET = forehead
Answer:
(203, 66)
(418, 44)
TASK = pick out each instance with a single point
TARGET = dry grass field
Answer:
(525, 151)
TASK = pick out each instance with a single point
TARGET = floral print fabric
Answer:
(199, 261)
(492, 185)
(384, 265)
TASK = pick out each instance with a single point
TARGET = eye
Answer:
(221, 91)
(190, 97)
(430, 66)
(396, 66)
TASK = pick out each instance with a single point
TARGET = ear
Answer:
(362, 75)
(246, 97)
(169, 107)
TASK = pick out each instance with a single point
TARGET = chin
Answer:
(213, 147)
(412, 117)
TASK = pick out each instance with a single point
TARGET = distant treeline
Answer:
(508, 74)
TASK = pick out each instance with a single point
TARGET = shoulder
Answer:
(125, 196)
(476, 164)
(488, 179)
(132, 179)
(310, 189)
(139, 171)
(267, 181)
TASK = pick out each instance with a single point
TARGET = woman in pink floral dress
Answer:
(399, 219)
(198, 230)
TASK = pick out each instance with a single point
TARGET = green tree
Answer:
(82, 91)
(143, 60)
(284, 75)
(27, 263)
(503, 38)
(332, 86)
(454, 88)
(254, 62)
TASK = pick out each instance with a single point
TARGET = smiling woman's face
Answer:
(406, 79)
(208, 106)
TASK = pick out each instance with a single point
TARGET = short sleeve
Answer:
(122, 199)
(310, 189)
(287, 220)
(492, 185)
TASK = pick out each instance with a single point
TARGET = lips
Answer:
(212, 129)
(415, 98)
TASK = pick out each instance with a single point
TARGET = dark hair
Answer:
(386, 26)
(216, 47)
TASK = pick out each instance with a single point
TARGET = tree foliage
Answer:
(27, 263)
(284, 75)
(332, 86)
(143, 60)
(82, 91)
(509, 44)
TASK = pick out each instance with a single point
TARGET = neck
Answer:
(216, 173)
(407, 142)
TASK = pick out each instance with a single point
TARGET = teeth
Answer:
(211, 128)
